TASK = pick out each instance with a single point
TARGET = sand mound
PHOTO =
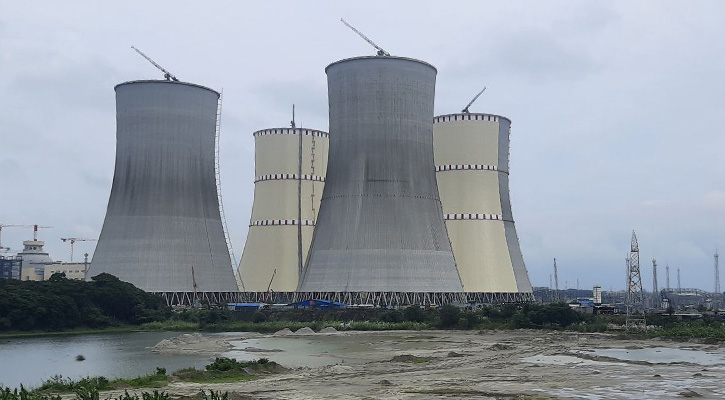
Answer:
(283, 332)
(305, 331)
(191, 343)
(328, 329)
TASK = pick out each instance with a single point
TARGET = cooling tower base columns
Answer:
(377, 299)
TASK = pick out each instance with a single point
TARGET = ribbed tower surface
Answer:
(163, 230)
(271, 252)
(472, 168)
(380, 225)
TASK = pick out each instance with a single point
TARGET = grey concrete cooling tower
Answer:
(163, 230)
(380, 225)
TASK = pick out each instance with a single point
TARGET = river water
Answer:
(30, 361)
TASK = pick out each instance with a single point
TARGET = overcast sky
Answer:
(616, 106)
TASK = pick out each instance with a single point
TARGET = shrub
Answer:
(448, 316)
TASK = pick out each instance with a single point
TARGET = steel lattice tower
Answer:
(634, 281)
(635, 295)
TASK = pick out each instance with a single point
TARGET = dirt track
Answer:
(487, 365)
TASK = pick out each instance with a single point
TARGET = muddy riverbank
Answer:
(466, 364)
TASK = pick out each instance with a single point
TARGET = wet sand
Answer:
(482, 365)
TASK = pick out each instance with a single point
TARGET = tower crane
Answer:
(9, 226)
(167, 75)
(35, 231)
(465, 109)
(380, 50)
(73, 242)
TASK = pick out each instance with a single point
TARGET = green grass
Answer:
(198, 376)
(274, 326)
(171, 325)
(60, 385)
(147, 381)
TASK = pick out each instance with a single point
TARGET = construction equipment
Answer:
(167, 75)
(73, 242)
(380, 50)
(465, 109)
(35, 231)
(9, 226)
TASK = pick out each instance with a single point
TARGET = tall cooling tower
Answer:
(271, 251)
(380, 226)
(472, 168)
(163, 230)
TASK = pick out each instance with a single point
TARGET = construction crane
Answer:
(35, 231)
(380, 50)
(9, 226)
(465, 109)
(167, 75)
(73, 242)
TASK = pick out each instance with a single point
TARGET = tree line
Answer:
(60, 304)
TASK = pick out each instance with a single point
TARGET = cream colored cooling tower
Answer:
(272, 242)
(471, 154)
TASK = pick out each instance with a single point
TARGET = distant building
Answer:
(75, 271)
(34, 260)
(11, 267)
(597, 295)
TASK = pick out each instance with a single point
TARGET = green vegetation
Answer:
(221, 370)
(107, 304)
(58, 384)
(229, 370)
(62, 304)
(92, 393)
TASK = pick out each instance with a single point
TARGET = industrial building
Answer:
(163, 230)
(74, 271)
(380, 226)
(290, 166)
(35, 259)
(11, 267)
(472, 170)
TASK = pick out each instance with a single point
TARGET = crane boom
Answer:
(167, 75)
(10, 226)
(380, 50)
(465, 109)
(73, 242)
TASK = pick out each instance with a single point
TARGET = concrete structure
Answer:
(11, 267)
(271, 251)
(597, 294)
(472, 169)
(380, 226)
(75, 271)
(163, 230)
(35, 259)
